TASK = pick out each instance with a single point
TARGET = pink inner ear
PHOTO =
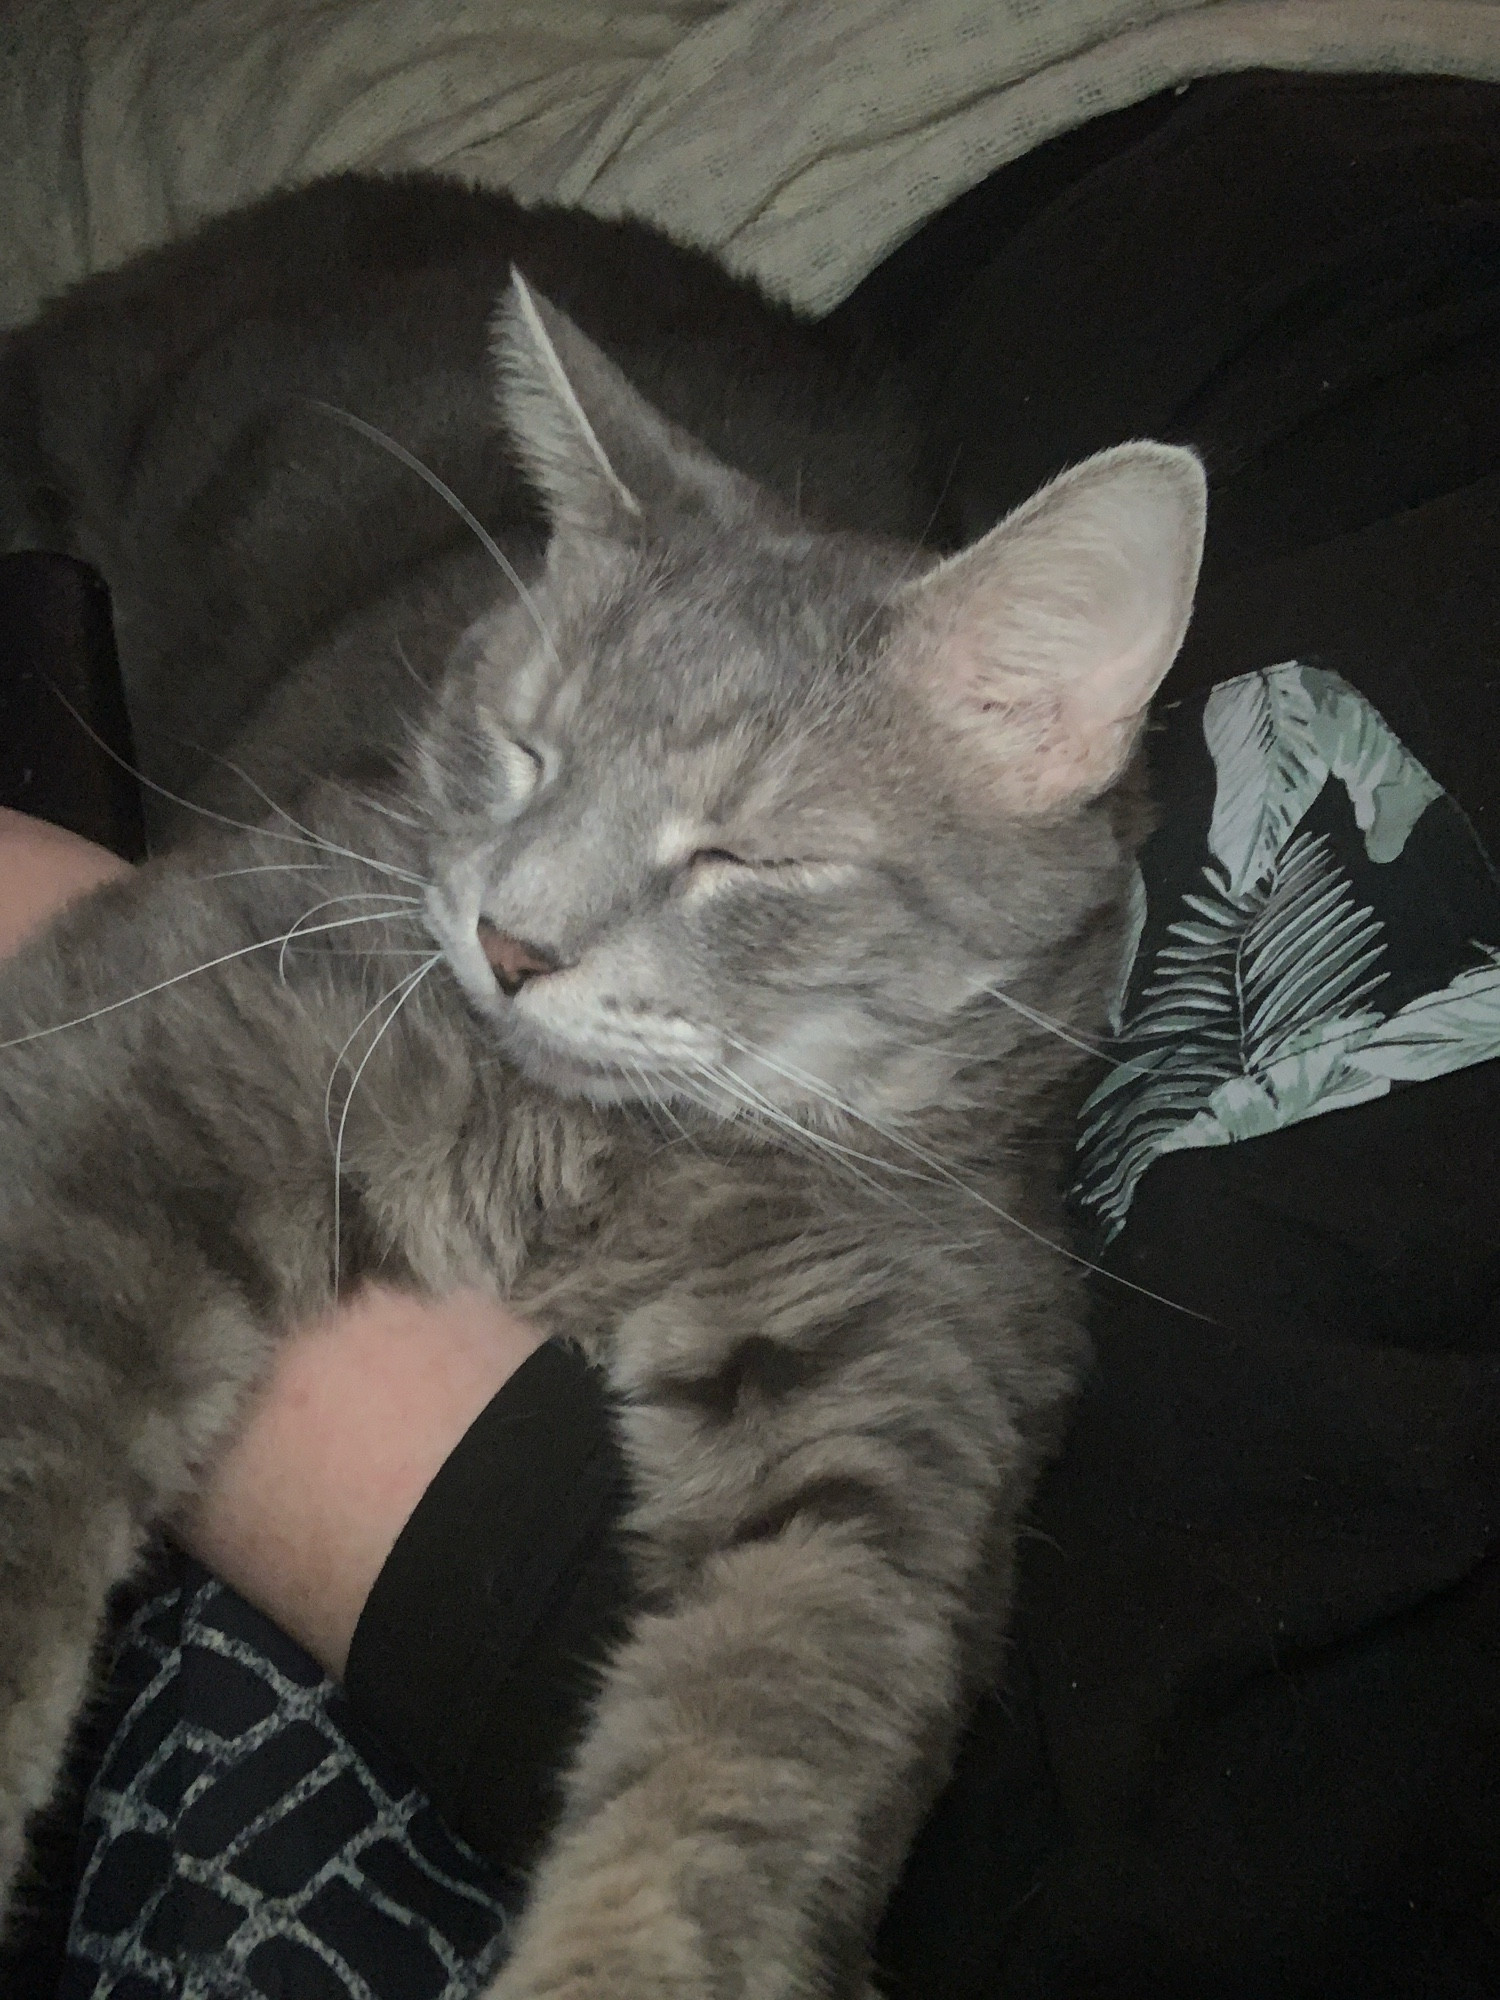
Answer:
(1071, 764)
(1055, 735)
(1043, 644)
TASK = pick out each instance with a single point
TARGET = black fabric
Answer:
(905, 296)
(1296, 275)
(478, 1648)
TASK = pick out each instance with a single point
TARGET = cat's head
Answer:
(729, 808)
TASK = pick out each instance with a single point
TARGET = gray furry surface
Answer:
(681, 908)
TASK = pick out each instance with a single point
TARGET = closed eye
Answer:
(709, 870)
(523, 768)
(723, 857)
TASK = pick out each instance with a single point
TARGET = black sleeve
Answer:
(478, 1648)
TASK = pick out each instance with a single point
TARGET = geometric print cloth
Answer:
(247, 1839)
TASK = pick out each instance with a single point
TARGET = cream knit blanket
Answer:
(802, 139)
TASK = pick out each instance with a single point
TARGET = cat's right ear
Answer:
(602, 459)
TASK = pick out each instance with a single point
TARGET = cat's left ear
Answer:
(602, 458)
(1039, 648)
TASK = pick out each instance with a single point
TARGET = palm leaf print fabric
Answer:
(1330, 933)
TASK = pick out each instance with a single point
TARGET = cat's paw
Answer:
(628, 1932)
(610, 1969)
(618, 1936)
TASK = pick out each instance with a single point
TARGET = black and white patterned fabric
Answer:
(246, 1839)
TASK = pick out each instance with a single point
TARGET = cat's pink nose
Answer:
(514, 961)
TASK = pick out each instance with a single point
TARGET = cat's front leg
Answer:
(755, 1752)
(824, 1507)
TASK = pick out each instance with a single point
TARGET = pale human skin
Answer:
(362, 1407)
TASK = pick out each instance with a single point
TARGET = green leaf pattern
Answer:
(1261, 734)
(1387, 787)
(1257, 1009)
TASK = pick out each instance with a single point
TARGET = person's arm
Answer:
(359, 1414)
(43, 868)
(360, 1410)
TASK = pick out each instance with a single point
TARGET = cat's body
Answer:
(684, 881)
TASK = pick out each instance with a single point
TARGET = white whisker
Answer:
(953, 1179)
(362, 799)
(300, 839)
(444, 492)
(822, 1141)
(192, 972)
(263, 868)
(654, 1104)
(663, 1105)
(354, 896)
(1053, 1027)
(318, 839)
(1104, 1050)
(405, 989)
(811, 1143)
(367, 804)
(349, 1040)
(400, 652)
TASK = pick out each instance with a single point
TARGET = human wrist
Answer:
(42, 869)
(357, 1416)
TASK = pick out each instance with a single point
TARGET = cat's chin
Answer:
(605, 1084)
(596, 1075)
(598, 1083)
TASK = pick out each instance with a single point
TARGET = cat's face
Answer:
(735, 812)
(700, 811)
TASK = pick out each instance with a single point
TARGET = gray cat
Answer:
(663, 918)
